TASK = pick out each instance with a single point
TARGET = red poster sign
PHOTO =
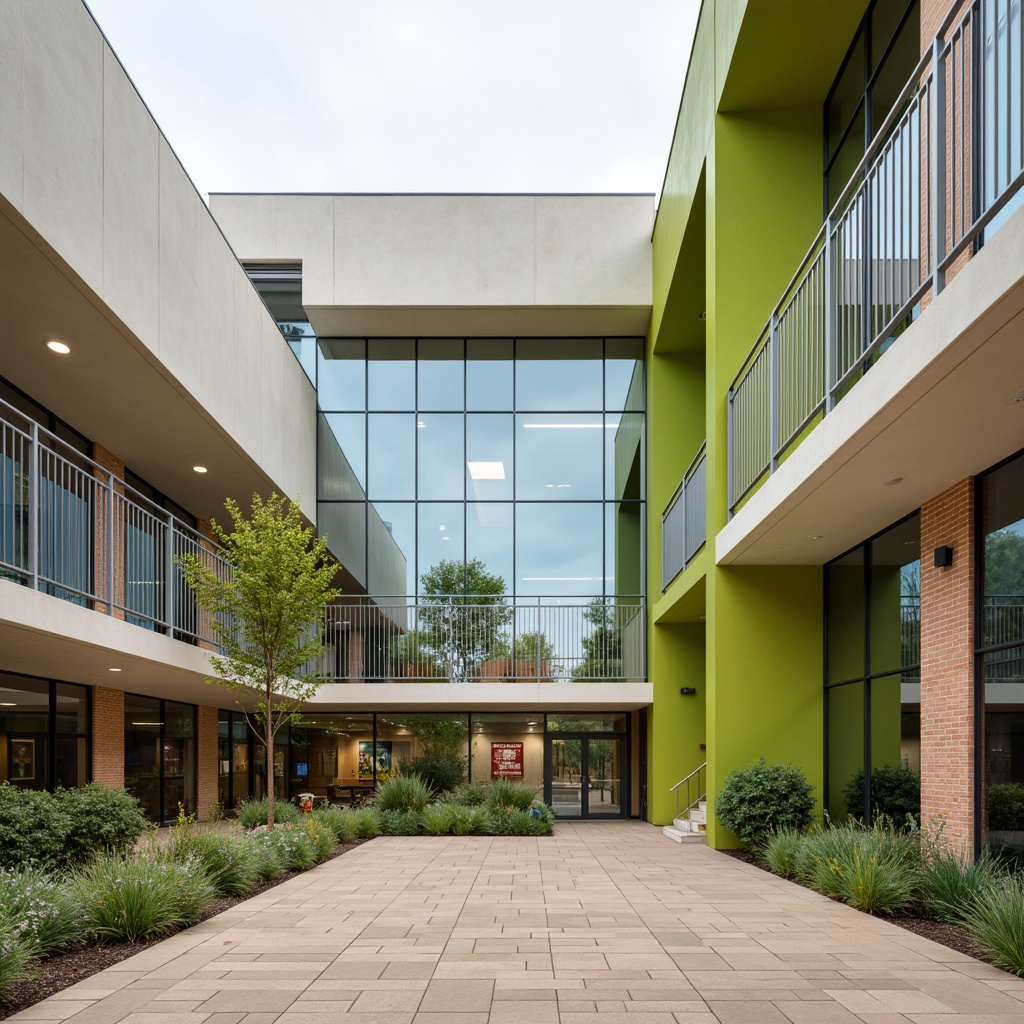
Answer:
(506, 760)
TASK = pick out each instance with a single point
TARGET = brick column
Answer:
(108, 736)
(206, 761)
(108, 533)
(203, 621)
(947, 665)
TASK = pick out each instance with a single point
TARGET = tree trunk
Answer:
(268, 727)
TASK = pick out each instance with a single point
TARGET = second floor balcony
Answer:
(937, 180)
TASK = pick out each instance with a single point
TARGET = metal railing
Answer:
(943, 165)
(461, 639)
(684, 523)
(72, 529)
(693, 784)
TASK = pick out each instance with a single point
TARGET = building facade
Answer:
(620, 497)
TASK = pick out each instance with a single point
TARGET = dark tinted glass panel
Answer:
(391, 374)
(847, 97)
(72, 708)
(441, 374)
(489, 374)
(72, 755)
(595, 722)
(563, 373)
(895, 747)
(24, 731)
(896, 71)
(343, 523)
(1003, 574)
(341, 456)
(495, 735)
(896, 597)
(399, 519)
(845, 626)
(441, 456)
(845, 746)
(623, 538)
(143, 726)
(624, 456)
(341, 374)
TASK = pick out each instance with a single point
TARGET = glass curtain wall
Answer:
(160, 756)
(873, 675)
(1000, 653)
(524, 455)
(44, 733)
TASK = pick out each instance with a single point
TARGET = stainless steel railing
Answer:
(943, 166)
(462, 639)
(72, 529)
(684, 523)
(696, 789)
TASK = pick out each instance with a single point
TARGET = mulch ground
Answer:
(948, 935)
(54, 973)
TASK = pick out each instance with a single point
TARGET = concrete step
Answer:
(678, 835)
(689, 825)
(699, 816)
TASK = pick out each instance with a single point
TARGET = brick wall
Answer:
(947, 665)
(112, 464)
(108, 736)
(206, 761)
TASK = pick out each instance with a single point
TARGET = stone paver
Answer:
(605, 919)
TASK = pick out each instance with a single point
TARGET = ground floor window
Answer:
(160, 756)
(44, 733)
(873, 676)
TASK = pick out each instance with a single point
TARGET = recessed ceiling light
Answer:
(59, 347)
(1017, 398)
(7, 704)
(894, 481)
(486, 470)
(199, 469)
(818, 536)
(113, 670)
(442, 528)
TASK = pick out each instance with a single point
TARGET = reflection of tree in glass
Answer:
(602, 648)
(413, 654)
(1004, 600)
(529, 655)
(463, 615)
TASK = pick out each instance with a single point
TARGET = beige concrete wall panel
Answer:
(507, 269)
(247, 364)
(593, 251)
(63, 198)
(249, 223)
(131, 204)
(214, 338)
(363, 264)
(304, 229)
(181, 266)
(12, 110)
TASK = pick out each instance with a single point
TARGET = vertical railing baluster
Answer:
(938, 162)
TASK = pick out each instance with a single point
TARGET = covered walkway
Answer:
(608, 919)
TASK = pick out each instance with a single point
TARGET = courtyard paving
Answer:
(609, 919)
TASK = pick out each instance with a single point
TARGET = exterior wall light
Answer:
(688, 691)
(943, 557)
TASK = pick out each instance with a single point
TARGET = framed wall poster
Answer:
(366, 756)
(506, 760)
(22, 759)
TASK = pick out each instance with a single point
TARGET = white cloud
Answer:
(449, 96)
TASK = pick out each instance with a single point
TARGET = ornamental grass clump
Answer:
(335, 821)
(401, 823)
(760, 798)
(996, 920)
(951, 885)
(253, 813)
(782, 851)
(507, 794)
(15, 958)
(40, 910)
(266, 856)
(402, 793)
(468, 821)
(140, 897)
(468, 794)
(294, 845)
(439, 819)
(229, 861)
(367, 822)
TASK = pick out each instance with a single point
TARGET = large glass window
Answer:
(527, 454)
(160, 755)
(873, 675)
(1000, 639)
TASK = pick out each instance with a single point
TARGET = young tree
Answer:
(462, 615)
(266, 618)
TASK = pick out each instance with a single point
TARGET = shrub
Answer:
(505, 793)
(895, 792)
(950, 884)
(782, 851)
(996, 920)
(15, 958)
(402, 793)
(367, 822)
(441, 770)
(140, 897)
(323, 838)
(40, 910)
(439, 819)
(229, 861)
(401, 823)
(295, 847)
(468, 821)
(469, 794)
(33, 828)
(1004, 805)
(266, 856)
(333, 819)
(101, 819)
(253, 813)
(762, 797)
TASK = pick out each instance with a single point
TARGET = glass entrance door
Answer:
(586, 776)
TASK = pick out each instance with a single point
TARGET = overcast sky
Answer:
(410, 95)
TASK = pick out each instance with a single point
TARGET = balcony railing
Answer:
(942, 167)
(483, 639)
(684, 523)
(72, 529)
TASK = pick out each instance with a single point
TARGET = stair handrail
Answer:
(687, 781)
